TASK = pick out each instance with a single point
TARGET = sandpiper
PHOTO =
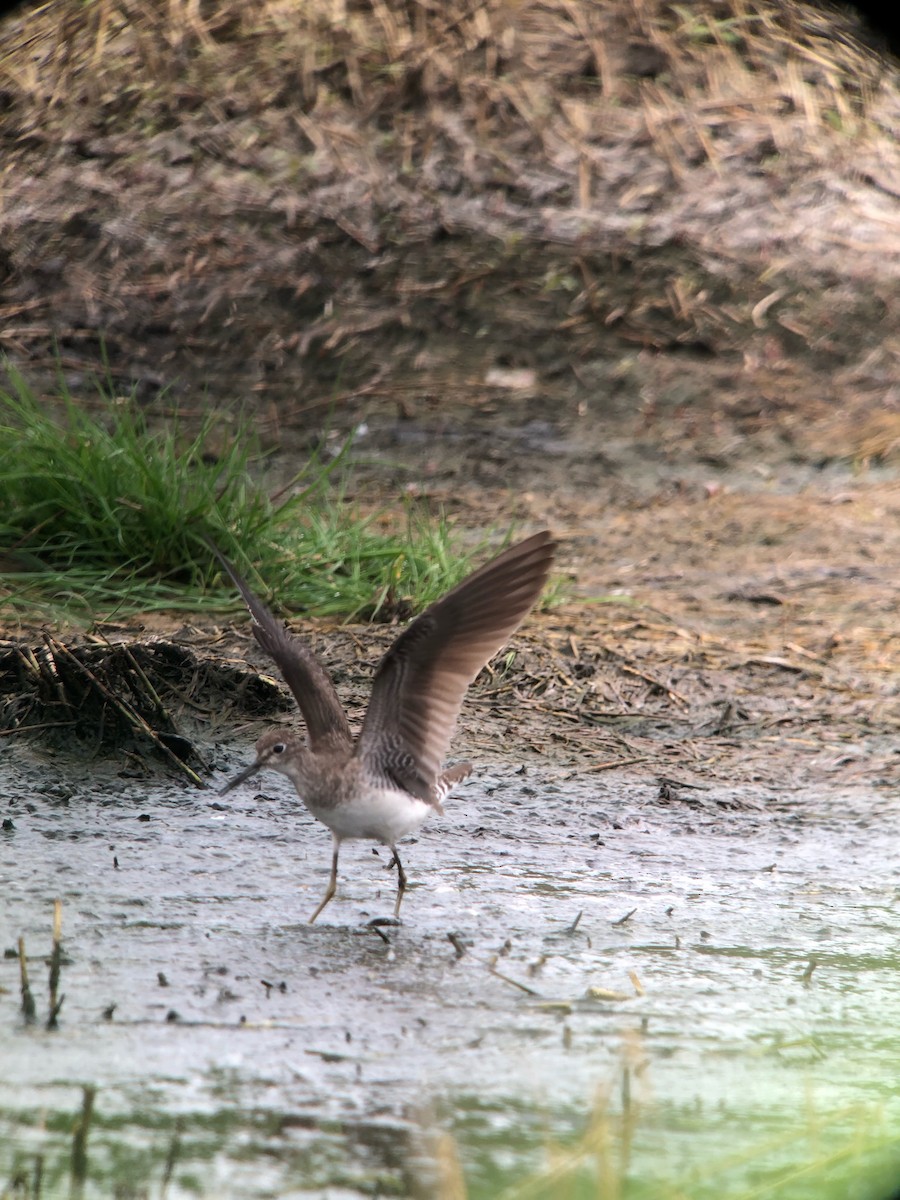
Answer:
(385, 783)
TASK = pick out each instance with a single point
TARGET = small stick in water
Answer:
(28, 1009)
(55, 965)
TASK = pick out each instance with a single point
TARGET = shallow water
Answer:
(250, 1054)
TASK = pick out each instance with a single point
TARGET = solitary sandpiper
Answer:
(385, 783)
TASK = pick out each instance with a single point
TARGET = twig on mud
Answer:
(132, 718)
(457, 943)
(773, 660)
(541, 708)
(36, 728)
(161, 710)
(673, 782)
(523, 987)
(627, 917)
(610, 764)
(461, 949)
(629, 669)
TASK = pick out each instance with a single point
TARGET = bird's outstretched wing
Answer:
(310, 683)
(421, 681)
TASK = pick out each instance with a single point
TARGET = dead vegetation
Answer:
(250, 197)
(587, 691)
(132, 700)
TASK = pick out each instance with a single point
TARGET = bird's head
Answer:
(276, 750)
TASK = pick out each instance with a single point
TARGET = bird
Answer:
(383, 784)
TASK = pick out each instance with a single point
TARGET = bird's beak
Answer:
(245, 774)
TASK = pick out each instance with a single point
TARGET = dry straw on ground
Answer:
(304, 173)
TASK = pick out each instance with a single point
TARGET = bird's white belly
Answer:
(383, 814)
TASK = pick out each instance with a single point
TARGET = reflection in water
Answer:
(148, 1153)
(467, 1149)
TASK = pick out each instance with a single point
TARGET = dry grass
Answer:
(684, 74)
(246, 167)
(584, 689)
(138, 701)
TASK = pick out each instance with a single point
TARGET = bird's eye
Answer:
(279, 748)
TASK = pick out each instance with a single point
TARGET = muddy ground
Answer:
(684, 362)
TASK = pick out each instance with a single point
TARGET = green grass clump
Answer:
(102, 515)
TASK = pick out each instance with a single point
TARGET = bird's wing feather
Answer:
(421, 681)
(310, 683)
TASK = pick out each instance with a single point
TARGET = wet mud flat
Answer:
(713, 985)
